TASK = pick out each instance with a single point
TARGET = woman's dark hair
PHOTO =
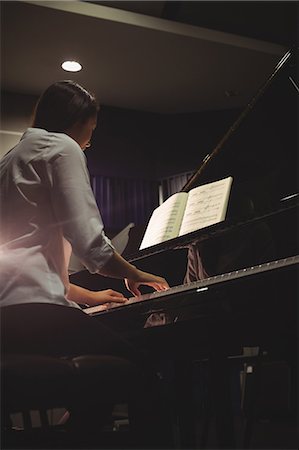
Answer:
(62, 105)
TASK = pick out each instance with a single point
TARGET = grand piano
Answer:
(248, 299)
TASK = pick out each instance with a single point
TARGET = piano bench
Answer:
(87, 386)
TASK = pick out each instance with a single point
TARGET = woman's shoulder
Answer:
(63, 140)
(41, 145)
(49, 137)
(59, 144)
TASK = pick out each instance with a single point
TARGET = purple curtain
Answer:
(174, 183)
(122, 201)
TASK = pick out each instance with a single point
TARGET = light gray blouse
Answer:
(47, 209)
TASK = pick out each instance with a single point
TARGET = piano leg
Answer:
(185, 405)
(182, 382)
(219, 388)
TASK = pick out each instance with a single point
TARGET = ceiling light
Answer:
(71, 66)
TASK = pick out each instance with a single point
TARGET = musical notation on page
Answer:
(185, 212)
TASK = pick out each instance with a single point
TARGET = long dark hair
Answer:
(62, 105)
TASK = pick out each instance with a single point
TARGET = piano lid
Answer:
(259, 151)
(285, 68)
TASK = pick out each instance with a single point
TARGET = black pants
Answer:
(56, 330)
(61, 331)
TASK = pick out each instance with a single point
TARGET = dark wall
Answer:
(124, 144)
(145, 145)
(188, 138)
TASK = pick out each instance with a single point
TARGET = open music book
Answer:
(185, 212)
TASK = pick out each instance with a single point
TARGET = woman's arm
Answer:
(81, 295)
(76, 210)
(118, 267)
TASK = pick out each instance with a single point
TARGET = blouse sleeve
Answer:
(75, 207)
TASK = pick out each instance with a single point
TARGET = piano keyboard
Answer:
(199, 286)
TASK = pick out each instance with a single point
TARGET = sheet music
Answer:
(206, 205)
(165, 221)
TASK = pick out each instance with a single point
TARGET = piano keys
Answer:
(254, 306)
(157, 301)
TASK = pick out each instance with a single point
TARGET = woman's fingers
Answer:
(109, 296)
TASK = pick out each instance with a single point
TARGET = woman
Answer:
(47, 211)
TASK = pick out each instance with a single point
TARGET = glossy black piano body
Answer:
(250, 307)
(218, 319)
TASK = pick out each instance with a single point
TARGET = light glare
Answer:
(71, 66)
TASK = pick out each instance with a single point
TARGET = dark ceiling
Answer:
(273, 21)
(156, 56)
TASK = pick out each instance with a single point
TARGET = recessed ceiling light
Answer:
(71, 66)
